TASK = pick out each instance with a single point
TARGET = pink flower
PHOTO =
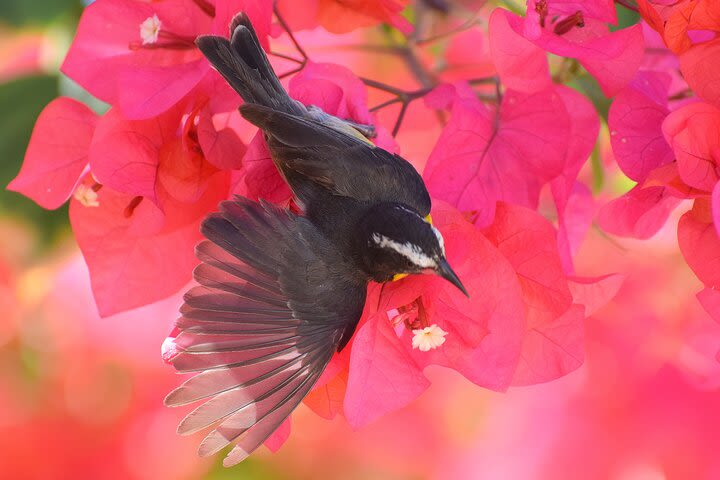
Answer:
(520, 326)
(568, 29)
(635, 121)
(142, 57)
(57, 154)
(136, 215)
(693, 131)
(486, 154)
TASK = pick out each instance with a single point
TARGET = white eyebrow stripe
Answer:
(408, 250)
(440, 239)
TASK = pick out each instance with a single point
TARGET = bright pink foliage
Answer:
(486, 155)
(113, 62)
(58, 153)
(611, 57)
(512, 152)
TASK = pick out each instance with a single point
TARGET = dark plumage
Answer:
(279, 293)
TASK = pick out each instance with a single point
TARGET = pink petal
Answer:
(640, 213)
(57, 153)
(481, 158)
(144, 257)
(710, 300)
(444, 95)
(100, 58)
(700, 69)
(279, 436)
(574, 203)
(150, 90)
(124, 155)
(327, 400)
(521, 65)
(693, 131)
(635, 121)
(468, 56)
(338, 91)
(595, 293)
(485, 331)
(219, 140)
(299, 16)
(260, 13)
(261, 178)
(528, 241)
(552, 345)
(383, 377)
(100, 49)
(700, 244)
(553, 349)
(574, 222)
(611, 57)
(341, 93)
(614, 58)
(715, 205)
(584, 129)
(603, 10)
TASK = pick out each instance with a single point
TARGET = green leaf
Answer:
(36, 12)
(586, 84)
(626, 17)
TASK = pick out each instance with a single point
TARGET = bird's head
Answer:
(397, 241)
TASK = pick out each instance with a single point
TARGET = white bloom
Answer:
(428, 338)
(86, 195)
(150, 29)
(169, 349)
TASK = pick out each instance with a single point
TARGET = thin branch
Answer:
(292, 72)
(287, 57)
(467, 25)
(392, 101)
(382, 86)
(294, 41)
(627, 4)
(687, 93)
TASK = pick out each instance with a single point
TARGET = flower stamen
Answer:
(206, 7)
(130, 209)
(150, 30)
(87, 196)
(428, 338)
(153, 35)
(541, 8)
(567, 24)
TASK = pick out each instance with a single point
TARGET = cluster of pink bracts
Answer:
(141, 177)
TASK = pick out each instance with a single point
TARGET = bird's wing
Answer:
(338, 161)
(275, 301)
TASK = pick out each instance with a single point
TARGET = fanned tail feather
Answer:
(257, 360)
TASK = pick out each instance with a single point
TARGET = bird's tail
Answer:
(243, 63)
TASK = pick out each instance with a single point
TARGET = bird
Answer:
(279, 292)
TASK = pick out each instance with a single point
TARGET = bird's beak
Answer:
(443, 269)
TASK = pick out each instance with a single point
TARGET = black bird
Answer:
(279, 293)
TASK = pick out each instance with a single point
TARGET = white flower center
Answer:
(150, 29)
(86, 196)
(428, 338)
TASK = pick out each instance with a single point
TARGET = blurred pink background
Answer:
(81, 396)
